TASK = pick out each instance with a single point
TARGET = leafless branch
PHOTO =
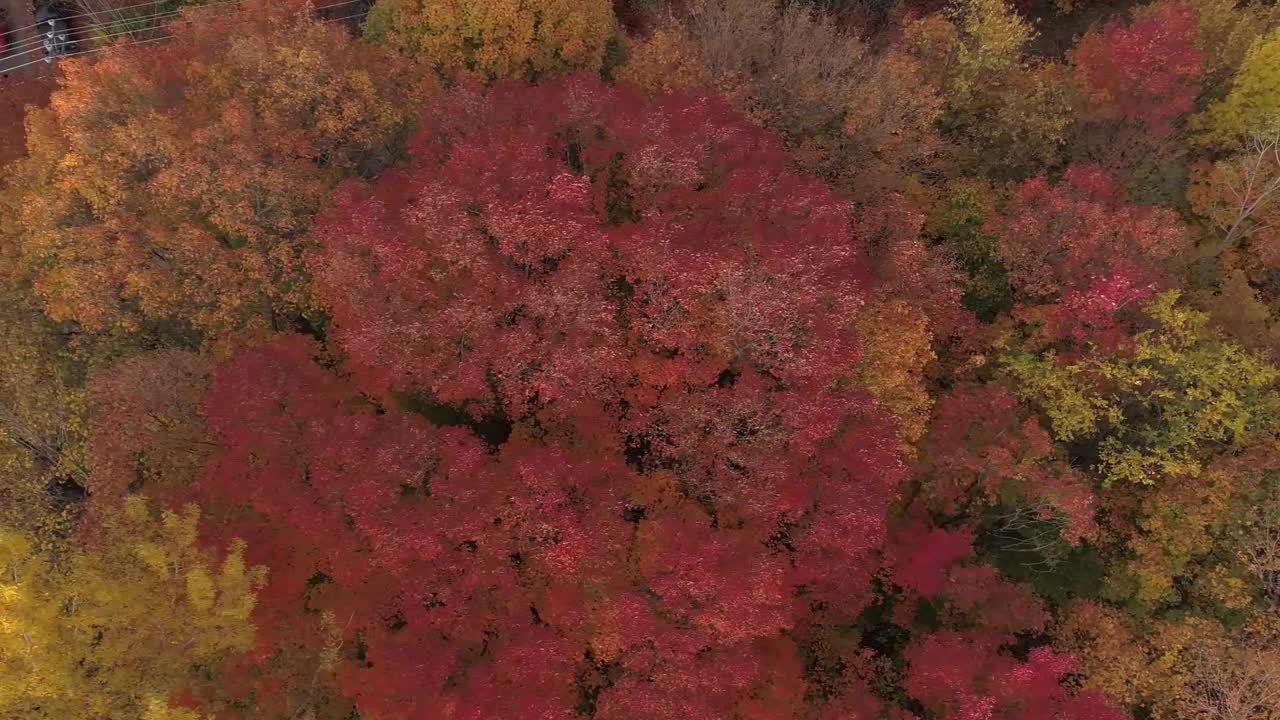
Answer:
(1261, 184)
(1233, 683)
(1034, 530)
(1261, 550)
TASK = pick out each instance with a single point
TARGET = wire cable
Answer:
(49, 75)
(81, 52)
(87, 31)
(69, 54)
(38, 42)
(92, 14)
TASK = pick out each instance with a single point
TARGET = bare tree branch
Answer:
(1260, 185)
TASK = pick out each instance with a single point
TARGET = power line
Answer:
(337, 4)
(89, 29)
(133, 31)
(84, 31)
(47, 76)
(356, 14)
(344, 17)
(92, 14)
(73, 54)
(37, 40)
(86, 52)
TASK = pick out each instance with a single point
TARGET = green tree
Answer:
(958, 220)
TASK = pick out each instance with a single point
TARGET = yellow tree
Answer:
(497, 38)
(1252, 107)
(1225, 30)
(1176, 429)
(41, 413)
(1178, 665)
(116, 628)
(991, 37)
(1177, 426)
(1135, 663)
(898, 346)
(1161, 410)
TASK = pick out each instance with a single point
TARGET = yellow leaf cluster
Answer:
(160, 710)
(41, 416)
(1003, 111)
(115, 628)
(897, 348)
(1181, 667)
(1131, 664)
(1175, 527)
(665, 62)
(1152, 412)
(992, 35)
(1252, 107)
(497, 38)
(1225, 30)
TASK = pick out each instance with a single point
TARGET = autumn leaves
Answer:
(731, 364)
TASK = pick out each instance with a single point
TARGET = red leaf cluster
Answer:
(960, 677)
(1148, 71)
(1078, 237)
(981, 449)
(663, 315)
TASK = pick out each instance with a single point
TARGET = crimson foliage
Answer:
(661, 314)
(1148, 71)
(1078, 255)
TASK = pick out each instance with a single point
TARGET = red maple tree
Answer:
(1148, 71)
(1078, 242)
(659, 315)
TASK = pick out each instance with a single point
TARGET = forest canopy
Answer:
(641, 360)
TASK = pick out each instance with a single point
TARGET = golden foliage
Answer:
(1252, 107)
(990, 41)
(1174, 526)
(497, 38)
(1003, 112)
(114, 628)
(898, 346)
(1131, 664)
(41, 417)
(665, 62)
(1225, 30)
(1154, 412)
(170, 188)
